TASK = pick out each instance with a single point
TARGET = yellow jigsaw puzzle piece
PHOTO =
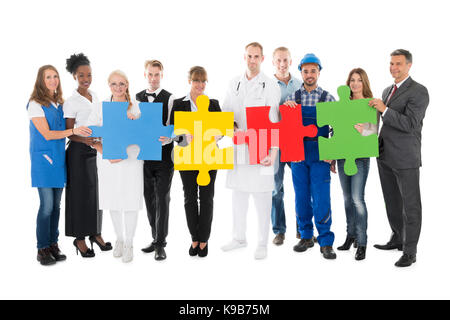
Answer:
(202, 153)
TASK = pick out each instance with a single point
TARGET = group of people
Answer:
(94, 184)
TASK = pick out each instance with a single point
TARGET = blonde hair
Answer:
(40, 92)
(127, 93)
(154, 63)
(283, 49)
(197, 73)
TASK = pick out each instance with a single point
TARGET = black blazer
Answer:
(400, 137)
(180, 105)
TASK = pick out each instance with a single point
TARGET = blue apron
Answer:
(48, 163)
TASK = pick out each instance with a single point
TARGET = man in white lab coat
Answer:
(252, 89)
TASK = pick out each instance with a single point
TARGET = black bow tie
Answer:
(150, 94)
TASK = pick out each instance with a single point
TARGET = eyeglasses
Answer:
(115, 85)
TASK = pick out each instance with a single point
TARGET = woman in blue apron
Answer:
(47, 152)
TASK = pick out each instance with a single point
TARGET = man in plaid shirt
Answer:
(312, 177)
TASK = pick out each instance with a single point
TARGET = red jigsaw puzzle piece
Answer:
(288, 134)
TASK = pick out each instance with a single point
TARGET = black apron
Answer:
(83, 217)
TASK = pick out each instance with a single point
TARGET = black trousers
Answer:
(199, 220)
(157, 182)
(83, 217)
(401, 191)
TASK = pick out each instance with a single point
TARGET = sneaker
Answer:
(127, 254)
(118, 249)
(261, 253)
(234, 244)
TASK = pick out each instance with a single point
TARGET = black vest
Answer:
(162, 97)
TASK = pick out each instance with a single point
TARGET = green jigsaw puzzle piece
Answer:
(347, 143)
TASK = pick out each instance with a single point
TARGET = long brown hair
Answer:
(127, 93)
(367, 92)
(40, 92)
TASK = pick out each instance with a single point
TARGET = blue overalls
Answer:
(311, 179)
(48, 174)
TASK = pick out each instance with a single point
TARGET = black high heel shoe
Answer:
(360, 253)
(347, 244)
(106, 247)
(88, 254)
(202, 253)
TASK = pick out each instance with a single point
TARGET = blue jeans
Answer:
(312, 196)
(355, 205)
(48, 217)
(278, 215)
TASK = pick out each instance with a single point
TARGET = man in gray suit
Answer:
(403, 109)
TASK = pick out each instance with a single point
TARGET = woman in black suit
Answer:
(199, 217)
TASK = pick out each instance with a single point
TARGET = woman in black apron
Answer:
(83, 217)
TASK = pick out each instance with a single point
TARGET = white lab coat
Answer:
(259, 92)
(120, 184)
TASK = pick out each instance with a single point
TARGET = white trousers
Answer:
(125, 223)
(263, 204)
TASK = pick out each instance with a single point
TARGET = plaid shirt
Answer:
(310, 98)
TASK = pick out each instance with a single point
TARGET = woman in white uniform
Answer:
(252, 89)
(120, 180)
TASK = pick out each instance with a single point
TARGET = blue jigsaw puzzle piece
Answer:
(118, 132)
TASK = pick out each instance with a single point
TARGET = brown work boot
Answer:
(279, 239)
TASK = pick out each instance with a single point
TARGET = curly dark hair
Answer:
(75, 61)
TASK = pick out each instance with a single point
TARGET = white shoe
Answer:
(127, 254)
(234, 244)
(261, 253)
(118, 249)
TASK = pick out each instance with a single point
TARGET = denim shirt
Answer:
(288, 89)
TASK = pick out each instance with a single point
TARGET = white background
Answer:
(122, 34)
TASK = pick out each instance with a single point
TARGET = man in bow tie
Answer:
(402, 110)
(158, 174)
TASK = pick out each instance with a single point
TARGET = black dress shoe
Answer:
(45, 257)
(160, 253)
(328, 252)
(193, 251)
(389, 246)
(360, 253)
(347, 244)
(406, 260)
(149, 249)
(56, 253)
(202, 253)
(304, 245)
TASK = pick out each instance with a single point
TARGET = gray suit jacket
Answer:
(400, 137)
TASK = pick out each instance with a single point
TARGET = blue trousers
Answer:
(47, 231)
(278, 215)
(311, 180)
(355, 205)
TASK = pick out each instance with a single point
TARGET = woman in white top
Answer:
(353, 186)
(120, 180)
(83, 217)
